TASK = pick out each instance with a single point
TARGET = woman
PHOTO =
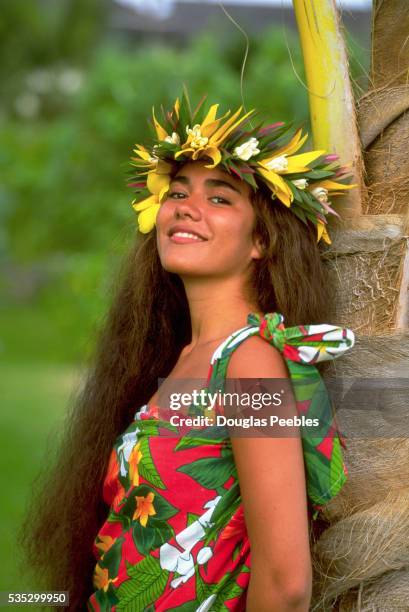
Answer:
(182, 522)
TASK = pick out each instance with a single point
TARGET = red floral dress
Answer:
(175, 538)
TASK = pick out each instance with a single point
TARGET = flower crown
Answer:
(259, 155)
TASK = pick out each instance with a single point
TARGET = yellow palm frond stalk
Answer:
(332, 108)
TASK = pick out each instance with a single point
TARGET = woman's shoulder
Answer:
(255, 357)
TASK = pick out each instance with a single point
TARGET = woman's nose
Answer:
(188, 207)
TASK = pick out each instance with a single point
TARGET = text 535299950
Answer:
(45, 598)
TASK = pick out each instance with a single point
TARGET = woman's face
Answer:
(215, 207)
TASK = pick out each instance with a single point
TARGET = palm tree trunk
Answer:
(361, 560)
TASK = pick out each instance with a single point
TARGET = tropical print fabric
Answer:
(175, 538)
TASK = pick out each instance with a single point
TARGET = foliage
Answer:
(65, 183)
(68, 122)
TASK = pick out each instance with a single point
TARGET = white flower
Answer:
(206, 605)
(204, 555)
(143, 410)
(320, 193)
(175, 560)
(278, 164)
(168, 557)
(154, 158)
(70, 80)
(124, 451)
(174, 139)
(211, 505)
(27, 105)
(190, 536)
(177, 581)
(213, 502)
(300, 183)
(247, 149)
(40, 81)
(197, 139)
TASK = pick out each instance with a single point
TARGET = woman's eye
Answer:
(176, 195)
(220, 200)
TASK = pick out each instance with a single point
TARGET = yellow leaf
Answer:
(230, 125)
(160, 132)
(328, 184)
(142, 153)
(277, 185)
(295, 143)
(214, 154)
(211, 116)
(147, 218)
(153, 199)
(184, 152)
(299, 163)
(157, 182)
(322, 233)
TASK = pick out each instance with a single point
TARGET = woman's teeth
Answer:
(187, 235)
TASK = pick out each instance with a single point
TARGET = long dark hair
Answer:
(145, 329)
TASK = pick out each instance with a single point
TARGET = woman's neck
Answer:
(217, 308)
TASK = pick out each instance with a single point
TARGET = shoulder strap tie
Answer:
(302, 346)
(303, 343)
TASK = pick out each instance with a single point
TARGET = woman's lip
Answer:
(185, 239)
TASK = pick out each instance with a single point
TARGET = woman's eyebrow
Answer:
(210, 182)
(221, 183)
(181, 179)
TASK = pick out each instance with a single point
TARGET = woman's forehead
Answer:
(198, 169)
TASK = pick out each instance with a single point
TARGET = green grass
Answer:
(34, 398)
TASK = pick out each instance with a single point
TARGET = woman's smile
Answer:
(185, 238)
(206, 206)
(185, 233)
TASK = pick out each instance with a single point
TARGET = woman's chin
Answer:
(183, 269)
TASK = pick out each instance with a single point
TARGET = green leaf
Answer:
(337, 475)
(191, 518)
(203, 589)
(229, 498)
(224, 510)
(318, 174)
(146, 584)
(147, 468)
(103, 600)
(209, 472)
(236, 552)
(299, 213)
(210, 435)
(162, 530)
(228, 588)
(125, 520)
(143, 537)
(318, 475)
(112, 558)
(189, 606)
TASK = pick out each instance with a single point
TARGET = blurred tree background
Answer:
(75, 99)
(76, 96)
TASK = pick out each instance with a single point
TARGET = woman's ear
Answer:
(258, 248)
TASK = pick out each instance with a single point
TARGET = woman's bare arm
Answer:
(272, 483)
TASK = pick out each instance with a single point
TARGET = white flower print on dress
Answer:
(124, 451)
(182, 562)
